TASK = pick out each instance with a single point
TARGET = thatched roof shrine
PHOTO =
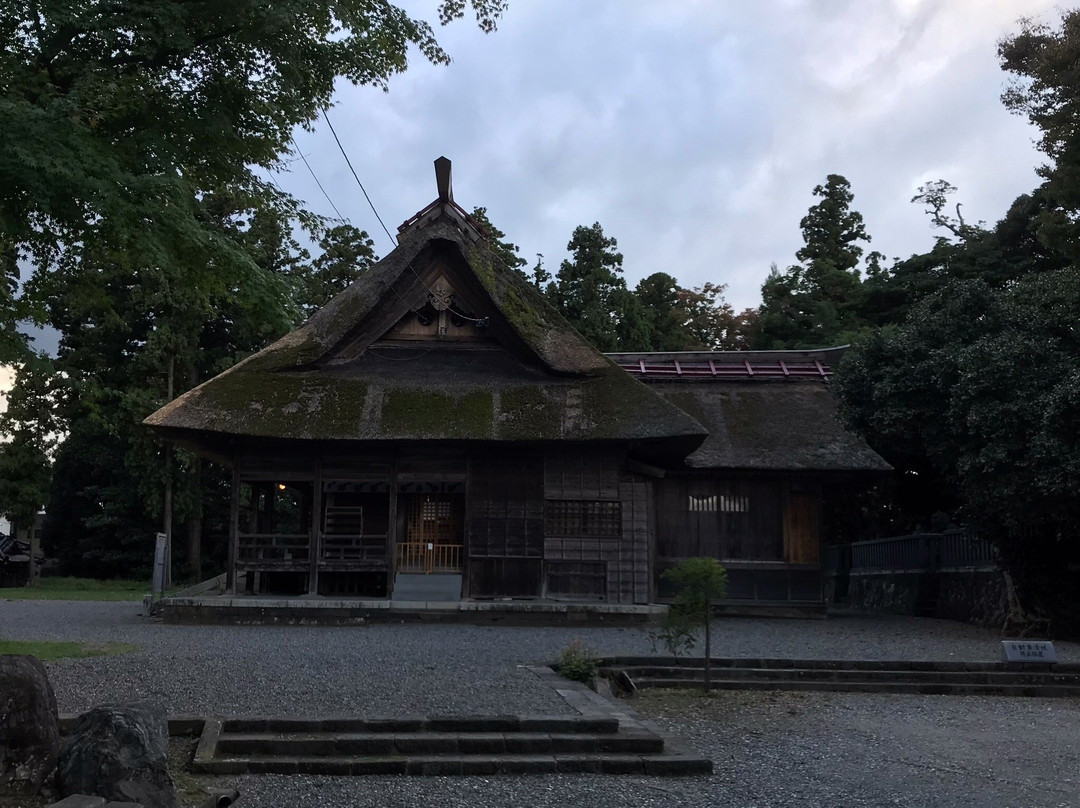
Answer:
(438, 341)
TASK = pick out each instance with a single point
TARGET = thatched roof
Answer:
(762, 423)
(535, 379)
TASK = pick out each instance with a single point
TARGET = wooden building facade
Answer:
(440, 418)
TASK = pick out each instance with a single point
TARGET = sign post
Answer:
(1028, 651)
(157, 586)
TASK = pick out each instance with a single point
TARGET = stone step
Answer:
(434, 588)
(450, 723)
(451, 765)
(927, 688)
(914, 676)
(625, 662)
(230, 745)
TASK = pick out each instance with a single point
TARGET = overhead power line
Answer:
(312, 172)
(356, 177)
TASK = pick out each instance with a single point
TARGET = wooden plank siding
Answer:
(574, 525)
(505, 537)
(765, 530)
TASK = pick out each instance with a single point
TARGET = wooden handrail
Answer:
(428, 557)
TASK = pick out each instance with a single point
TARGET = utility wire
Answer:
(333, 131)
(328, 199)
(478, 320)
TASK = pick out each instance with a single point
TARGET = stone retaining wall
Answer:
(970, 595)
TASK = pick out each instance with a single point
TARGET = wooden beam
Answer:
(315, 531)
(234, 528)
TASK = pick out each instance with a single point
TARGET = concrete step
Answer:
(450, 723)
(433, 743)
(790, 674)
(450, 745)
(849, 686)
(834, 664)
(434, 588)
(452, 765)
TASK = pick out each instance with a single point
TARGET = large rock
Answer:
(119, 752)
(29, 730)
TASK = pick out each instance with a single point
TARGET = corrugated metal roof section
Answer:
(813, 365)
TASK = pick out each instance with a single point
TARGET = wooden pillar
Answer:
(234, 529)
(391, 528)
(315, 538)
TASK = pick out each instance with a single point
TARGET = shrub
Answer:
(578, 662)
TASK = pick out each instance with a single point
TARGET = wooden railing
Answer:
(273, 547)
(428, 557)
(923, 551)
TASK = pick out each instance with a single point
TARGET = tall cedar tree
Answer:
(815, 303)
(591, 293)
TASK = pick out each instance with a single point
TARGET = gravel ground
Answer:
(410, 669)
(771, 749)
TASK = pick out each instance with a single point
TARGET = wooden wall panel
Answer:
(734, 518)
(802, 540)
(506, 507)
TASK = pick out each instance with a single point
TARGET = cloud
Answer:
(692, 131)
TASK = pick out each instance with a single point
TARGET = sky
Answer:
(694, 131)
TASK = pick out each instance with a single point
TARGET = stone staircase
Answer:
(944, 678)
(456, 745)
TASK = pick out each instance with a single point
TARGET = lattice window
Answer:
(580, 517)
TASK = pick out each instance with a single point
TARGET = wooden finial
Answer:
(442, 179)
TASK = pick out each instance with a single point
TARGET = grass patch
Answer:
(77, 589)
(49, 650)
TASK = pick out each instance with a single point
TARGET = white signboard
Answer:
(1028, 651)
(157, 586)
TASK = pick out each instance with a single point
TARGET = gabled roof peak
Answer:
(444, 207)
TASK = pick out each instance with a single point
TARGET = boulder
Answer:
(29, 729)
(119, 752)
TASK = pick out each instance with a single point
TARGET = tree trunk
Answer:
(167, 527)
(195, 523)
(708, 644)
(35, 551)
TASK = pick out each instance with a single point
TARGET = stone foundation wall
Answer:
(972, 595)
(888, 592)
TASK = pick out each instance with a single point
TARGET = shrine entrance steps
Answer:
(462, 745)
(848, 676)
(438, 587)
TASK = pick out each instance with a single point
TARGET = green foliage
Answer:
(701, 582)
(697, 319)
(815, 304)
(505, 250)
(68, 588)
(1044, 88)
(590, 292)
(29, 427)
(136, 142)
(978, 388)
(677, 632)
(578, 662)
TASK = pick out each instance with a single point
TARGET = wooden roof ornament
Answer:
(350, 374)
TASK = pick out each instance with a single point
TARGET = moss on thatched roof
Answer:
(764, 424)
(537, 379)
